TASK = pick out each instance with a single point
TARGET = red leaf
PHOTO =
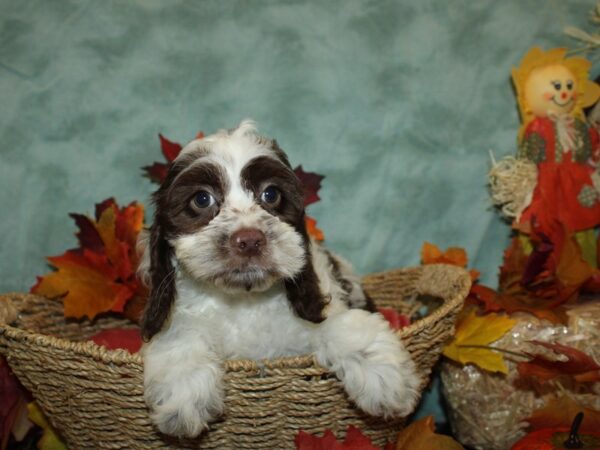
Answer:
(87, 236)
(157, 172)
(493, 301)
(170, 149)
(311, 182)
(355, 440)
(119, 338)
(305, 441)
(102, 206)
(12, 396)
(396, 320)
(578, 365)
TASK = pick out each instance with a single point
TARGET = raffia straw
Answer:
(512, 182)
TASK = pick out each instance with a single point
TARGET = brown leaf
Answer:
(578, 365)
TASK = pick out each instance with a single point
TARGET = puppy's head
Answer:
(230, 213)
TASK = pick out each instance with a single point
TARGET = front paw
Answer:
(184, 407)
(377, 372)
(382, 381)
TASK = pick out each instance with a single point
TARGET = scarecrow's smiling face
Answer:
(551, 89)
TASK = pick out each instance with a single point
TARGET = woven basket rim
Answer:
(89, 348)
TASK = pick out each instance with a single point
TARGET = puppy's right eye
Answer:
(203, 199)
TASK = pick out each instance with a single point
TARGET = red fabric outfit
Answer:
(557, 199)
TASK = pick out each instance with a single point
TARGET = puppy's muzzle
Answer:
(248, 242)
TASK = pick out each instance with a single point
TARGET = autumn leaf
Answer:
(473, 337)
(14, 398)
(560, 411)
(87, 235)
(456, 256)
(50, 439)
(421, 435)
(128, 339)
(494, 301)
(550, 270)
(578, 365)
(312, 184)
(86, 283)
(157, 172)
(396, 320)
(355, 440)
(431, 254)
(572, 271)
(99, 276)
(311, 228)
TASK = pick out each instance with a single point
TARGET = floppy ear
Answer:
(303, 290)
(162, 283)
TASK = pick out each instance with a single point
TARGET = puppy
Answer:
(233, 274)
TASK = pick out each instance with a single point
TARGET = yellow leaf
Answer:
(49, 440)
(473, 334)
(421, 435)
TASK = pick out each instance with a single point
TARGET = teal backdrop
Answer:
(397, 103)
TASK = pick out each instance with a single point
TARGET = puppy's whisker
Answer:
(165, 282)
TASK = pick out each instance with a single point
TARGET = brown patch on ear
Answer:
(281, 155)
(303, 290)
(162, 278)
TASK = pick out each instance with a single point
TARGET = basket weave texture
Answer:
(94, 396)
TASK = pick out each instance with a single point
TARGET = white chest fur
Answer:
(246, 325)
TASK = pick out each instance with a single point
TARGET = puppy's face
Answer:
(231, 213)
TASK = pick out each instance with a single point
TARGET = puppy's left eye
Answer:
(271, 196)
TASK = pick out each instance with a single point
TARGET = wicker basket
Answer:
(93, 396)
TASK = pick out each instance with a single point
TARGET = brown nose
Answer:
(248, 241)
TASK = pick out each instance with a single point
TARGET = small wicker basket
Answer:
(94, 396)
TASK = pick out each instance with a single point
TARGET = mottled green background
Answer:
(398, 103)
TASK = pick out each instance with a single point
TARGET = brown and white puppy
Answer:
(233, 274)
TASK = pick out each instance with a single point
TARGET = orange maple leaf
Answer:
(99, 276)
(560, 411)
(311, 228)
(456, 256)
(421, 435)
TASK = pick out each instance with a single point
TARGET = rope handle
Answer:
(8, 311)
(444, 281)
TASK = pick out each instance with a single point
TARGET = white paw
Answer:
(184, 405)
(369, 359)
